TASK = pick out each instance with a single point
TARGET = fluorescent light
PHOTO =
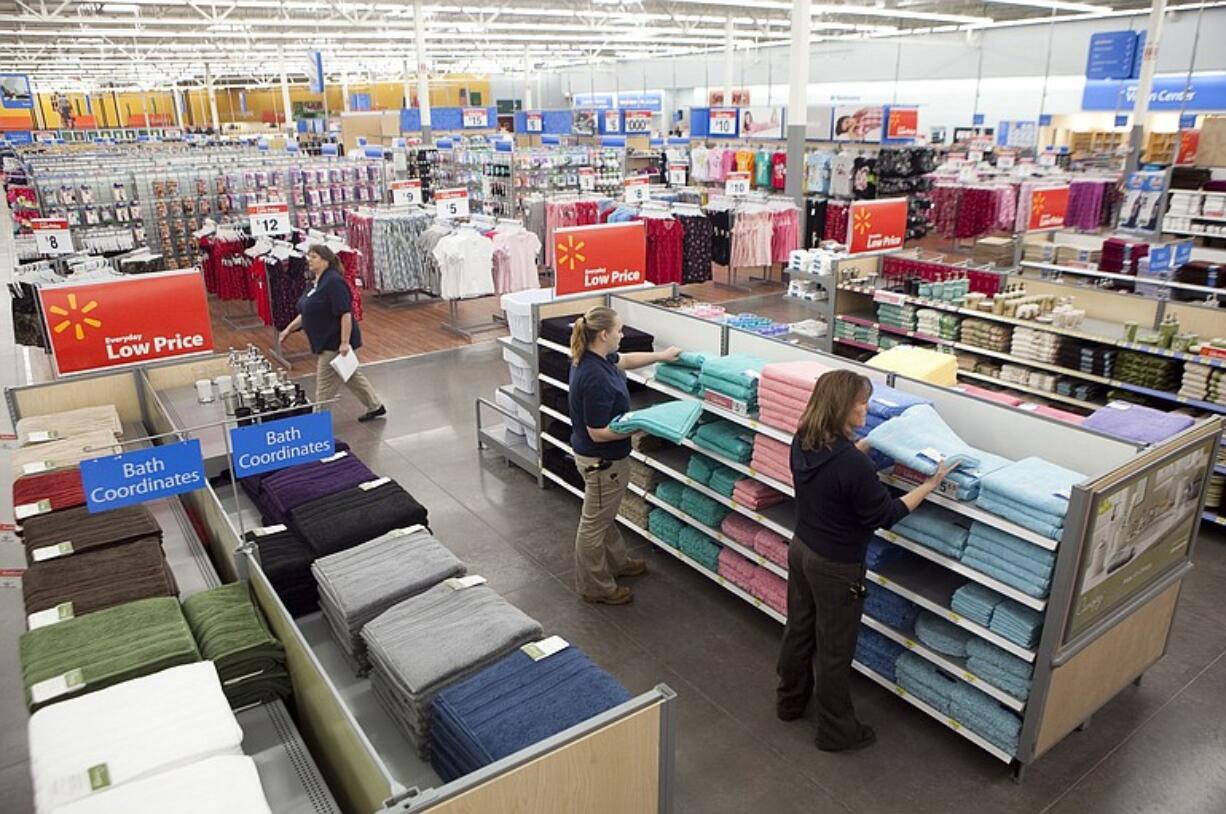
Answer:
(1055, 5)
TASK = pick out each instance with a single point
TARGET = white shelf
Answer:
(518, 396)
(545, 343)
(1023, 388)
(1109, 275)
(524, 349)
(562, 445)
(1021, 360)
(744, 469)
(552, 382)
(552, 413)
(1166, 230)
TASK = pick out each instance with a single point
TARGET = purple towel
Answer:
(253, 485)
(1132, 422)
(287, 489)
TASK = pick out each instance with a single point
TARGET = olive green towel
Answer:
(232, 633)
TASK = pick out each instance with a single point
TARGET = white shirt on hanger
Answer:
(466, 262)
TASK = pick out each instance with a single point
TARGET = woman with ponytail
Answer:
(598, 394)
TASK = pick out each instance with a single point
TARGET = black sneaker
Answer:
(378, 412)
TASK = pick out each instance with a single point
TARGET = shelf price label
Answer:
(534, 123)
(736, 184)
(637, 121)
(451, 204)
(476, 117)
(406, 191)
(1005, 162)
(637, 189)
(269, 219)
(723, 121)
(51, 235)
(974, 156)
(677, 174)
(587, 179)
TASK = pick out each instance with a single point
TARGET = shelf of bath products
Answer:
(1035, 391)
(1129, 278)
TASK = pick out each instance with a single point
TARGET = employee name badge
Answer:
(545, 647)
(451, 204)
(269, 219)
(460, 583)
(637, 189)
(737, 183)
(406, 192)
(51, 236)
(587, 179)
(677, 174)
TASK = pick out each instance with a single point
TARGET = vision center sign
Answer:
(874, 226)
(126, 321)
(593, 258)
(1206, 92)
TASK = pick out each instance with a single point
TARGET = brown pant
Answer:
(328, 383)
(823, 620)
(600, 551)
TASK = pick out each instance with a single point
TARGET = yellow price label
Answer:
(760, 518)
(909, 644)
(761, 560)
(954, 724)
(753, 473)
(900, 691)
(972, 679)
(720, 580)
(757, 603)
(953, 617)
(882, 581)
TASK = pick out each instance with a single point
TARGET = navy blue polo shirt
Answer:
(598, 394)
(322, 307)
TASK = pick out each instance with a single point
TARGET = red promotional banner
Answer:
(1047, 208)
(1189, 145)
(592, 258)
(875, 226)
(903, 122)
(127, 321)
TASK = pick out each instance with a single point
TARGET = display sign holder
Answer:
(451, 204)
(406, 192)
(269, 219)
(52, 237)
(637, 189)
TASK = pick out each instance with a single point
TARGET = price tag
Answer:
(374, 484)
(476, 117)
(40, 437)
(1047, 160)
(31, 509)
(35, 467)
(451, 204)
(267, 530)
(545, 647)
(44, 691)
(459, 583)
(587, 179)
(737, 183)
(50, 616)
(51, 235)
(406, 192)
(974, 156)
(51, 552)
(677, 174)
(723, 122)
(534, 123)
(1005, 162)
(638, 121)
(612, 121)
(637, 189)
(269, 219)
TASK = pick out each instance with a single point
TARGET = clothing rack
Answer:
(498, 320)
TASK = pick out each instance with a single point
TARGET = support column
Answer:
(527, 79)
(144, 107)
(345, 91)
(1145, 84)
(285, 102)
(408, 85)
(798, 98)
(176, 94)
(728, 80)
(208, 79)
(423, 72)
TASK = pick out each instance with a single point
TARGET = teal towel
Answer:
(692, 359)
(1023, 517)
(681, 378)
(942, 636)
(1019, 551)
(672, 420)
(730, 389)
(986, 549)
(1035, 483)
(700, 548)
(935, 527)
(724, 480)
(1019, 688)
(702, 508)
(665, 526)
(737, 369)
(985, 651)
(671, 492)
(727, 439)
(701, 468)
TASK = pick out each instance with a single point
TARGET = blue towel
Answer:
(941, 635)
(886, 402)
(1017, 514)
(878, 653)
(1025, 567)
(976, 602)
(924, 680)
(985, 652)
(1017, 623)
(986, 716)
(1000, 678)
(950, 549)
(1012, 548)
(1035, 483)
(701, 468)
(737, 369)
(936, 528)
(1007, 573)
(886, 606)
(517, 702)
(880, 552)
(912, 437)
(672, 420)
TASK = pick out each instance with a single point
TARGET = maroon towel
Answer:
(99, 579)
(62, 487)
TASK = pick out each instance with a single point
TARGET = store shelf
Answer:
(553, 346)
(890, 329)
(1108, 275)
(524, 349)
(715, 410)
(1009, 357)
(1184, 216)
(518, 396)
(1215, 519)
(854, 344)
(290, 778)
(1022, 388)
(552, 413)
(562, 445)
(744, 469)
(552, 382)
(1166, 230)
(517, 451)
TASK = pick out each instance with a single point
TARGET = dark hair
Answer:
(825, 417)
(848, 120)
(327, 255)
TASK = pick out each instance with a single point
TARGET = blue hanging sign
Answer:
(315, 71)
(1044, 120)
(977, 119)
(142, 475)
(281, 443)
(1121, 119)
(600, 101)
(1206, 92)
(329, 149)
(652, 100)
(1183, 253)
(1160, 259)
(1112, 54)
(1187, 121)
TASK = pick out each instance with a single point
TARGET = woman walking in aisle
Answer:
(325, 312)
(598, 394)
(840, 503)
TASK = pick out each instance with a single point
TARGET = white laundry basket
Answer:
(518, 308)
(521, 371)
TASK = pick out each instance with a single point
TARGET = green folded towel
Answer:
(724, 480)
(700, 548)
(105, 648)
(672, 420)
(671, 492)
(739, 392)
(738, 369)
(665, 526)
(231, 632)
(702, 508)
(681, 378)
(700, 468)
(692, 360)
(727, 439)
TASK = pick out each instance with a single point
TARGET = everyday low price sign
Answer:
(269, 219)
(875, 226)
(51, 236)
(278, 444)
(406, 192)
(593, 258)
(142, 475)
(534, 122)
(638, 121)
(126, 321)
(638, 189)
(587, 179)
(736, 183)
(677, 174)
(1048, 206)
(723, 121)
(451, 204)
(476, 117)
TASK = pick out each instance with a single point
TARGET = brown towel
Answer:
(88, 531)
(99, 579)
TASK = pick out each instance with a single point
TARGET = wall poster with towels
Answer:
(1140, 528)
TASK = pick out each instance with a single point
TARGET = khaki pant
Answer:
(328, 383)
(600, 551)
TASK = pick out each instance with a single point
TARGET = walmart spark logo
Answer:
(570, 252)
(863, 221)
(74, 317)
(1039, 203)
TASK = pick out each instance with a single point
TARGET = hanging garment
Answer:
(721, 235)
(762, 169)
(842, 167)
(785, 233)
(696, 248)
(779, 170)
(351, 271)
(817, 172)
(815, 222)
(727, 163)
(665, 242)
(864, 178)
(399, 258)
(745, 160)
(518, 249)
(466, 260)
(358, 228)
(698, 164)
(836, 221)
(751, 239)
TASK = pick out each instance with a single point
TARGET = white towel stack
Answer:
(218, 784)
(1041, 346)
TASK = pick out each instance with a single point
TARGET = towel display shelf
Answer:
(1108, 275)
(853, 343)
(890, 329)
(552, 382)
(1022, 388)
(1215, 519)
(744, 469)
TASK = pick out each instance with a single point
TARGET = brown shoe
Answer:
(634, 568)
(622, 596)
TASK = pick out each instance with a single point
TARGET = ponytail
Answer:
(587, 328)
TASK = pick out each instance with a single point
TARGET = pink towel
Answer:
(771, 589)
(788, 422)
(774, 471)
(1059, 415)
(801, 375)
(781, 402)
(772, 458)
(736, 569)
(740, 528)
(772, 546)
(787, 391)
(757, 500)
(989, 395)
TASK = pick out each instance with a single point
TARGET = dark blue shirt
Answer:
(322, 307)
(598, 394)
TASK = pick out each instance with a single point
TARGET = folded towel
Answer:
(888, 607)
(107, 647)
(1017, 623)
(976, 603)
(736, 569)
(1136, 423)
(231, 632)
(61, 489)
(1045, 524)
(942, 636)
(682, 378)
(925, 681)
(988, 653)
(665, 526)
(699, 547)
(919, 439)
(352, 517)
(784, 402)
(672, 420)
(702, 508)
(1022, 579)
(700, 468)
(887, 402)
(986, 716)
(918, 363)
(65, 453)
(729, 389)
(989, 395)
(230, 783)
(878, 653)
(1012, 549)
(1035, 483)
(771, 546)
(737, 369)
(799, 375)
(740, 528)
(99, 578)
(84, 531)
(287, 489)
(756, 495)
(726, 438)
(286, 561)
(880, 553)
(771, 589)
(724, 480)
(936, 528)
(70, 423)
(671, 492)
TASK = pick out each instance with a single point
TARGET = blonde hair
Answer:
(588, 327)
(825, 417)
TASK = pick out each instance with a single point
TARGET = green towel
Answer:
(702, 508)
(700, 468)
(727, 439)
(107, 647)
(727, 388)
(672, 420)
(232, 633)
(681, 378)
(738, 369)
(665, 526)
(671, 492)
(692, 360)
(700, 548)
(724, 480)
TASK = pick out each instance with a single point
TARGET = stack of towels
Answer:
(699, 547)
(1032, 492)
(228, 783)
(68, 424)
(358, 584)
(138, 729)
(772, 546)
(736, 569)
(734, 376)
(785, 390)
(635, 509)
(353, 516)
(286, 561)
(672, 420)
(642, 475)
(671, 492)
(976, 603)
(99, 578)
(1093, 359)
(1017, 623)
(1133, 422)
(878, 653)
(923, 364)
(665, 526)
(926, 681)
(702, 508)
(880, 553)
(108, 647)
(936, 528)
(253, 485)
(64, 453)
(999, 668)
(985, 716)
(886, 606)
(1042, 346)
(84, 531)
(701, 468)
(911, 438)
(772, 458)
(991, 336)
(896, 316)
(231, 633)
(724, 481)
(994, 396)
(756, 495)
(1086, 391)
(867, 334)
(684, 373)
(932, 322)
(740, 529)
(61, 490)
(726, 438)
(1010, 559)
(771, 589)
(430, 642)
(942, 635)
(1148, 370)
(287, 489)
(1203, 383)
(514, 703)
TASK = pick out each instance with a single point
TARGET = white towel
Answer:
(137, 729)
(218, 785)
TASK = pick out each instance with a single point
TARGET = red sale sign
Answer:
(593, 258)
(1189, 145)
(127, 321)
(874, 226)
(1048, 206)
(903, 122)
